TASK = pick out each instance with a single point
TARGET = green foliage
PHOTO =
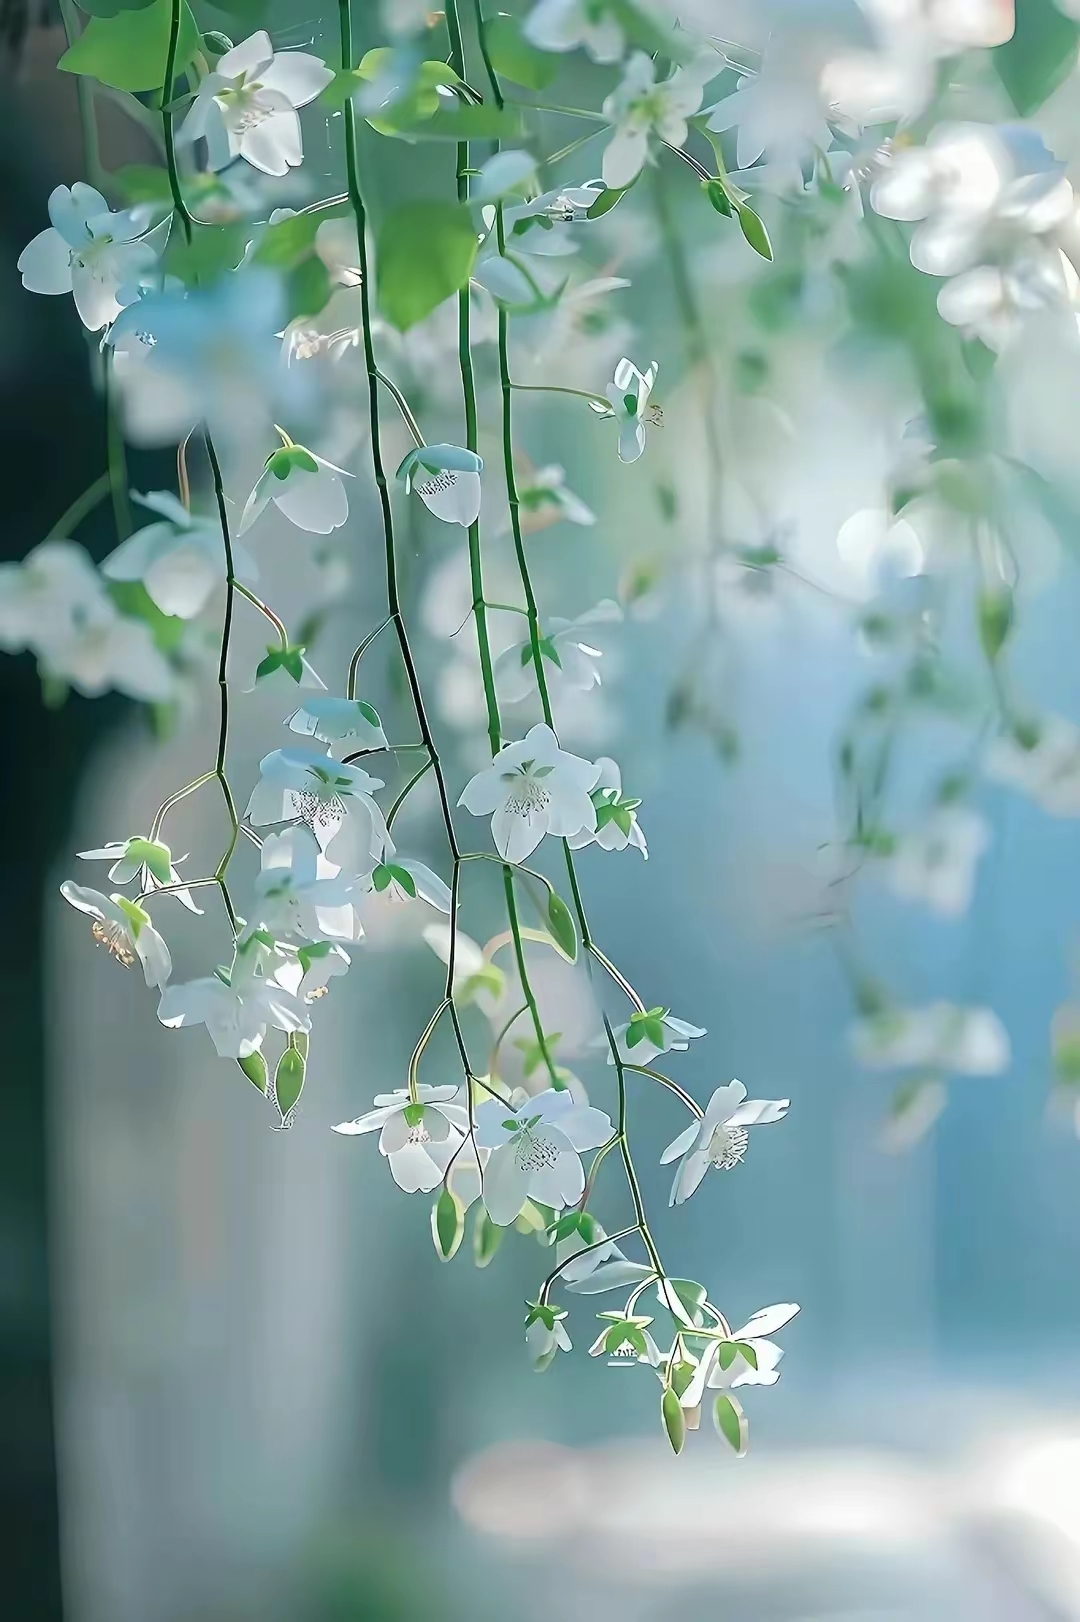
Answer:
(447, 1224)
(426, 252)
(1039, 55)
(289, 1080)
(129, 51)
(486, 1238)
(132, 598)
(254, 1067)
(290, 659)
(753, 229)
(995, 612)
(673, 1420)
(109, 8)
(730, 1422)
(514, 57)
(562, 926)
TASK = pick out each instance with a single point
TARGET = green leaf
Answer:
(109, 8)
(307, 287)
(606, 201)
(286, 242)
(447, 1224)
(212, 252)
(141, 183)
(288, 1081)
(727, 1353)
(254, 1067)
(674, 1420)
(129, 51)
(562, 926)
(1039, 55)
(995, 621)
(730, 1421)
(467, 123)
(425, 254)
(486, 1238)
(753, 229)
(514, 57)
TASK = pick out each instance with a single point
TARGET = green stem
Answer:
(114, 439)
(350, 687)
(223, 684)
(403, 406)
(665, 1081)
(174, 799)
(406, 791)
(85, 91)
(479, 601)
(558, 388)
(627, 1158)
(481, 34)
(265, 610)
(395, 616)
(609, 1239)
(175, 187)
(80, 508)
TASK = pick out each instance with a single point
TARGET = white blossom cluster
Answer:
(237, 307)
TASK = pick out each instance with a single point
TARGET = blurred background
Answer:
(237, 1382)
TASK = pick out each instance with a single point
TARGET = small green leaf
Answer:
(254, 1067)
(447, 1224)
(288, 1081)
(562, 926)
(674, 1420)
(730, 1421)
(129, 51)
(727, 1353)
(486, 1238)
(516, 58)
(608, 198)
(1039, 55)
(149, 854)
(287, 241)
(995, 621)
(425, 255)
(753, 229)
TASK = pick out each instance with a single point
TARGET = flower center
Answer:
(527, 797)
(418, 1134)
(115, 939)
(317, 810)
(727, 1146)
(440, 482)
(534, 1153)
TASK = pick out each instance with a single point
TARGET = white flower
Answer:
(290, 896)
(941, 1036)
(246, 107)
(647, 1035)
(88, 251)
(724, 1365)
(416, 1136)
(530, 789)
(334, 800)
(639, 108)
(235, 1008)
(99, 648)
(447, 480)
(536, 1153)
(991, 301)
(404, 879)
(983, 191)
(307, 489)
(54, 586)
(594, 1267)
(720, 1138)
(306, 970)
(616, 817)
(1043, 761)
(545, 1335)
(124, 929)
(563, 25)
(625, 1340)
(148, 860)
(573, 662)
(937, 863)
(179, 560)
(544, 498)
(629, 397)
(332, 720)
(476, 978)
